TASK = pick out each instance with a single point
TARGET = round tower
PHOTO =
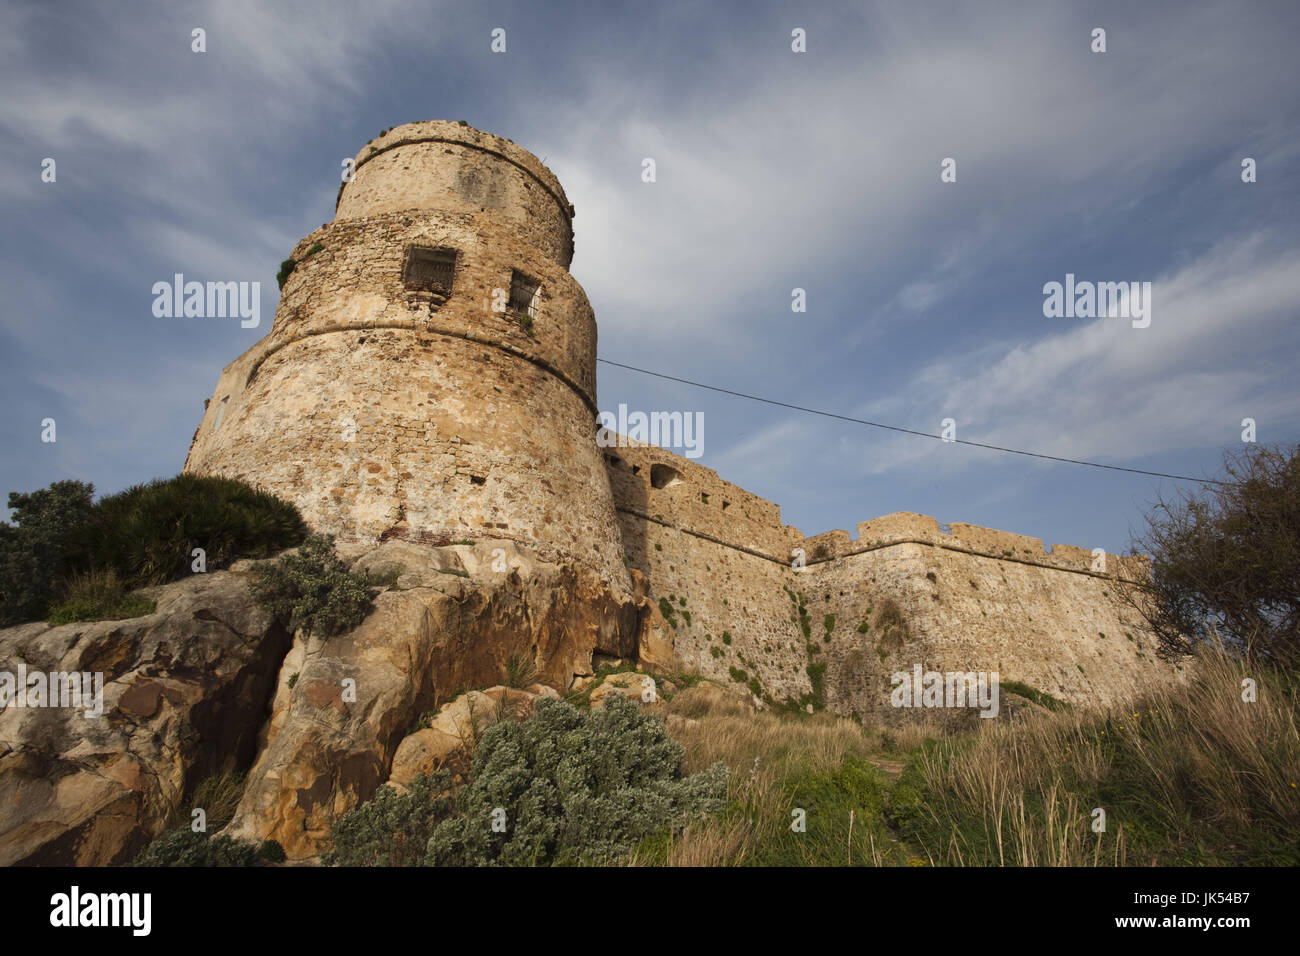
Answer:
(430, 373)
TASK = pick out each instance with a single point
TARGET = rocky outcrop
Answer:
(184, 693)
(206, 685)
(458, 617)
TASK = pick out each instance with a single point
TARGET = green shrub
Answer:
(183, 847)
(574, 787)
(668, 611)
(312, 589)
(98, 596)
(148, 533)
(392, 829)
(568, 786)
(827, 799)
(271, 851)
(286, 270)
(34, 550)
(63, 546)
(816, 677)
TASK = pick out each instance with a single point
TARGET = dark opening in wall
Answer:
(614, 461)
(726, 505)
(523, 294)
(477, 480)
(661, 476)
(430, 270)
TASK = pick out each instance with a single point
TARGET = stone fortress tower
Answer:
(430, 377)
(430, 374)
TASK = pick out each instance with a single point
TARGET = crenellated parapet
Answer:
(665, 488)
(659, 486)
(906, 527)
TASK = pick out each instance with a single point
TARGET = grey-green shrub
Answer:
(184, 847)
(312, 589)
(392, 829)
(574, 787)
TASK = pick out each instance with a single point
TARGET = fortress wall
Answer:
(1012, 607)
(693, 497)
(988, 541)
(739, 613)
(1059, 631)
(898, 526)
(905, 526)
(727, 557)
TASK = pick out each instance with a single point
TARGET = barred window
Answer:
(523, 294)
(430, 270)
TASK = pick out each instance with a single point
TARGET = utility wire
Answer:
(909, 431)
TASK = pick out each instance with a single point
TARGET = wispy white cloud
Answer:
(1105, 390)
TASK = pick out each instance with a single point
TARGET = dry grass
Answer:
(217, 796)
(771, 757)
(1193, 774)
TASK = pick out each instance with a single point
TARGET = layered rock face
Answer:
(205, 686)
(451, 624)
(184, 696)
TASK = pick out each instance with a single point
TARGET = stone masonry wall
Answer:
(904, 592)
(386, 410)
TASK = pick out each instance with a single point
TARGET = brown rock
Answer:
(141, 700)
(641, 688)
(453, 731)
(453, 623)
(185, 690)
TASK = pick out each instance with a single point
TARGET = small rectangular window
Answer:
(430, 270)
(523, 294)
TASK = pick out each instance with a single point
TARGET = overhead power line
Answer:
(909, 431)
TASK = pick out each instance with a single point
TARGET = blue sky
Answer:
(775, 170)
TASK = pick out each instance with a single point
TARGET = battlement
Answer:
(905, 527)
(664, 487)
(661, 486)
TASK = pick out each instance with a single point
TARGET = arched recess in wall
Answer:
(664, 476)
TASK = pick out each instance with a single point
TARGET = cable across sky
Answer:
(909, 431)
